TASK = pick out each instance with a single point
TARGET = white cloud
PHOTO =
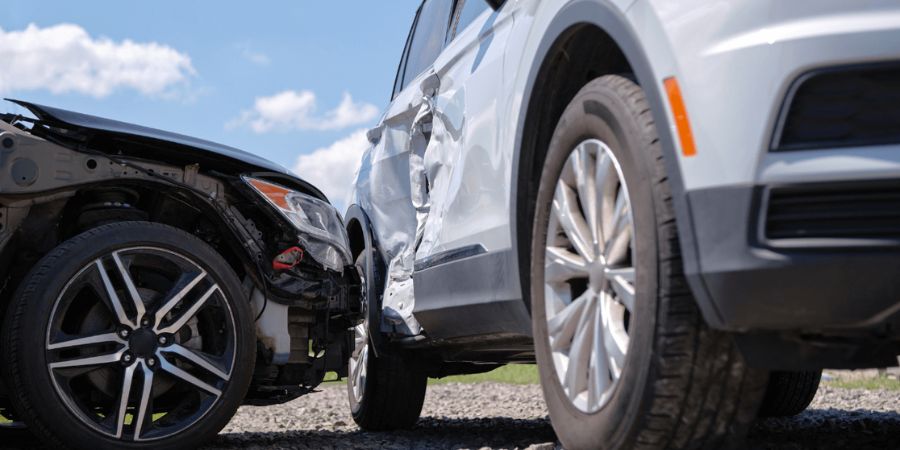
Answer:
(332, 168)
(256, 57)
(65, 58)
(296, 110)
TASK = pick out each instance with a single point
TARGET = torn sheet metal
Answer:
(405, 184)
(440, 159)
(383, 189)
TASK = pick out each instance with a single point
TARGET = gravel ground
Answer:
(507, 416)
(455, 416)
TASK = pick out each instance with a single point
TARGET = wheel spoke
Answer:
(614, 352)
(91, 361)
(144, 405)
(132, 289)
(562, 265)
(360, 340)
(113, 297)
(617, 247)
(177, 372)
(195, 359)
(565, 208)
(583, 165)
(602, 171)
(359, 363)
(107, 338)
(599, 373)
(622, 282)
(176, 298)
(123, 399)
(620, 218)
(564, 324)
(187, 315)
(579, 353)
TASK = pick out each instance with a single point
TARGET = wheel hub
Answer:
(143, 343)
(597, 275)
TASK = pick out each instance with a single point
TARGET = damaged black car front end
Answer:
(64, 173)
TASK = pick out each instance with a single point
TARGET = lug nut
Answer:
(151, 362)
(127, 357)
(145, 322)
(163, 340)
(124, 333)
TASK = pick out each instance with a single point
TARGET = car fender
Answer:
(541, 37)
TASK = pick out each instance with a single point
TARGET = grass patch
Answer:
(886, 384)
(510, 374)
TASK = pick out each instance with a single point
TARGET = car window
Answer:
(467, 12)
(428, 37)
(398, 80)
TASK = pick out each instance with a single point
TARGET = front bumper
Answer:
(822, 287)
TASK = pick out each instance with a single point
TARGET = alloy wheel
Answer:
(589, 275)
(141, 344)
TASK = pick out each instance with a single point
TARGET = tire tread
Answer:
(703, 393)
(790, 393)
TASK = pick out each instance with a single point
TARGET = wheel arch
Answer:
(594, 39)
(54, 218)
(362, 237)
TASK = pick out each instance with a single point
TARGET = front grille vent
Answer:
(841, 211)
(855, 106)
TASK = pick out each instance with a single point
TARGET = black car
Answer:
(154, 282)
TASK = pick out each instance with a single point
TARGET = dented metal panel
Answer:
(383, 188)
(434, 183)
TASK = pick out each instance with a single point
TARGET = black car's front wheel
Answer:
(130, 335)
(625, 358)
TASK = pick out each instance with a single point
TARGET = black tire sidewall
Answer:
(66, 260)
(599, 112)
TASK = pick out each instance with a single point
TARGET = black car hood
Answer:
(58, 116)
(163, 145)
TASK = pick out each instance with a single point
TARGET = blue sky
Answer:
(199, 68)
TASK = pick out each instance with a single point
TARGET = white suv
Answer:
(658, 201)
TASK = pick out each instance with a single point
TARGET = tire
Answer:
(789, 393)
(201, 309)
(672, 382)
(387, 391)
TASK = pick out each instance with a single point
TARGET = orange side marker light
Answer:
(682, 123)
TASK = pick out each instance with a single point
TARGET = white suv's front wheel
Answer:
(626, 360)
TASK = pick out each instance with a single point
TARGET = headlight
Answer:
(322, 234)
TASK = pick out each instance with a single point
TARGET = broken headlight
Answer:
(322, 234)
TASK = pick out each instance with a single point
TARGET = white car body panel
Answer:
(746, 51)
(761, 46)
